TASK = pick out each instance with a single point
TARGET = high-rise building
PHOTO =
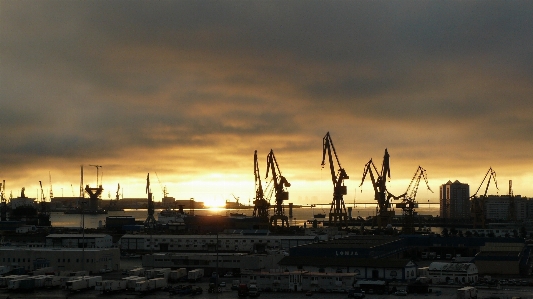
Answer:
(455, 200)
(498, 207)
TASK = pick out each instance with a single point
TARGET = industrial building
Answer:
(300, 281)
(213, 262)
(503, 259)
(208, 243)
(364, 268)
(440, 272)
(454, 200)
(77, 240)
(94, 260)
(497, 207)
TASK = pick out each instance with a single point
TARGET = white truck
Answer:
(195, 275)
(177, 275)
(467, 293)
(132, 280)
(76, 285)
(136, 272)
(141, 286)
(162, 273)
(157, 284)
(92, 280)
(114, 286)
(39, 281)
(52, 281)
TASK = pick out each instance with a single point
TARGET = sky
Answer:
(187, 91)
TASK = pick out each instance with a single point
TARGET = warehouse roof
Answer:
(343, 262)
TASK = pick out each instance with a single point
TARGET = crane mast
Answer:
(280, 182)
(381, 194)
(478, 203)
(337, 211)
(261, 205)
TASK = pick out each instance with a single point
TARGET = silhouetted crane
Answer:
(337, 211)
(409, 203)
(381, 194)
(280, 182)
(478, 203)
(261, 205)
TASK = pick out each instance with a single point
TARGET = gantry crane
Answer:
(478, 203)
(381, 194)
(337, 211)
(261, 205)
(280, 182)
(409, 203)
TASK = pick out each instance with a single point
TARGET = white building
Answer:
(71, 259)
(208, 243)
(458, 272)
(77, 240)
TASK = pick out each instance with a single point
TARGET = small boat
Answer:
(319, 215)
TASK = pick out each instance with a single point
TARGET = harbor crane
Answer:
(409, 203)
(478, 203)
(512, 207)
(337, 211)
(381, 194)
(3, 202)
(43, 217)
(150, 220)
(280, 183)
(261, 205)
(97, 171)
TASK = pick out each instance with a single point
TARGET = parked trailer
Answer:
(141, 286)
(100, 286)
(162, 273)
(4, 281)
(14, 284)
(195, 275)
(136, 272)
(467, 293)
(92, 280)
(39, 280)
(114, 286)
(76, 285)
(176, 275)
(52, 281)
(132, 280)
(157, 284)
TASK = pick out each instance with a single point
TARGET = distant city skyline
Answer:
(190, 89)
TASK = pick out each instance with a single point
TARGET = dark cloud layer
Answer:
(195, 86)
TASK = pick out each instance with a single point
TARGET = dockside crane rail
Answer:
(337, 213)
(281, 194)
